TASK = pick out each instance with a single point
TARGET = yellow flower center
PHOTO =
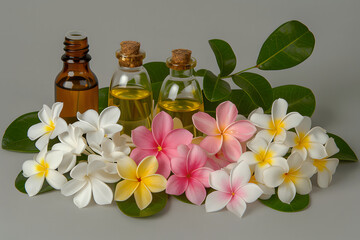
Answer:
(302, 141)
(291, 176)
(159, 148)
(276, 127)
(264, 157)
(253, 180)
(233, 193)
(320, 164)
(50, 127)
(42, 168)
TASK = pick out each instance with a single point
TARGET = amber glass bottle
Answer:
(130, 88)
(76, 85)
(180, 93)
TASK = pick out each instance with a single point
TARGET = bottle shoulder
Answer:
(131, 77)
(71, 80)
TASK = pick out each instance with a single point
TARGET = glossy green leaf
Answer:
(257, 87)
(300, 99)
(158, 71)
(130, 208)
(345, 153)
(200, 72)
(286, 47)
(103, 98)
(15, 137)
(299, 203)
(242, 101)
(20, 184)
(215, 89)
(225, 56)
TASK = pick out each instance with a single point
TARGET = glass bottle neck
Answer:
(182, 73)
(78, 66)
(130, 69)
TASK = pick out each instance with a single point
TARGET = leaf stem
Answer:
(240, 72)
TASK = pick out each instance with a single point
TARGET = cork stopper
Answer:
(181, 60)
(130, 54)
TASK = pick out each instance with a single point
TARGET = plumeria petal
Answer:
(126, 168)
(109, 116)
(243, 130)
(183, 150)
(45, 115)
(220, 180)
(142, 196)
(176, 137)
(248, 157)
(196, 158)
(102, 193)
(324, 178)
(33, 184)
(54, 158)
(36, 131)
(278, 149)
(307, 170)
(95, 137)
(280, 137)
(178, 166)
(176, 185)
(295, 161)
(112, 128)
(273, 176)
(56, 109)
(143, 138)
(29, 168)
(155, 183)
(148, 166)
(261, 120)
(84, 126)
(287, 192)
(125, 189)
(317, 151)
(318, 135)
(91, 117)
(303, 185)
(164, 165)
(83, 197)
(331, 164)
(205, 123)
(226, 113)
(108, 175)
(55, 179)
(216, 201)
(290, 140)
(280, 162)
(231, 148)
(195, 192)
(258, 144)
(79, 171)
(161, 126)
(239, 176)
(72, 187)
(279, 109)
(42, 141)
(304, 126)
(301, 151)
(292, 120)
(331, 148)
(212, 144)
(139, 154)
(237, 206)
(202, 175)
(60, 127)
(249, 192)
(95, 166)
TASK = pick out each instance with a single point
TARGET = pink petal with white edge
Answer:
(292, 120)
(231, 148)
(286, 192)
(177, 137)
(249, 193)
(205, 123)
(220, 180)
(164, 165)
(161, 126)
(226, 114)
(176, 185)
(212, 144)
(143, 138)
(331, 148)
(36, 131)
(196, 158)
(239, 176)
(304, 126)
(279, 109)
(138, 154)
(243, 130)
(195, 192)
(261, 120)
(216, 201)
(202, 175)
(237, 206)
(178, 166)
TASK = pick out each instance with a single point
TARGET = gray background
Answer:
(32, 34)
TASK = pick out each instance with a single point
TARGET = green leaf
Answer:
(345, 153)
(300, 99)
(200, 72)
(103, 98)
(20, 184)
(15, 137)
(241, 100)
(299, 203)
(215, 89)
(257, 87)
(286, 47)
(158, 71)
(130, 208)
(225, 56)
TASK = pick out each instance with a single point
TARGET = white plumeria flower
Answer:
(110, 151)
(264, 154)
(308, 141)
(97, 127)
(90, 179)
(43, 167)
(72, 144)
(276, 125)
(291, 180)
(326, 166)
(51, 125)
(232, 191)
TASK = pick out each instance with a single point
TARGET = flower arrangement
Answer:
(258, 143)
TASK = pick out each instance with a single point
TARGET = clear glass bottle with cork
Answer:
(180, 93)
(76, 85)
(130, 88)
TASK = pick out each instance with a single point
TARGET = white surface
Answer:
(32, 33)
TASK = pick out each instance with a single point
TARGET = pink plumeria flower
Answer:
(224, 133)
(233, 191)
(190, 175)
(162, 142)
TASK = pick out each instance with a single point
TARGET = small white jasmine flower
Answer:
(291, 180)
(43, 167)
(72, 145)
(264, 154)
(51, 125)
(90, 179)
(97, 127)
(308, 141)
(326, 166)
(276, 125)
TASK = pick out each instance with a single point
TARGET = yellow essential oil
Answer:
(135, 105)
(182, 109)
